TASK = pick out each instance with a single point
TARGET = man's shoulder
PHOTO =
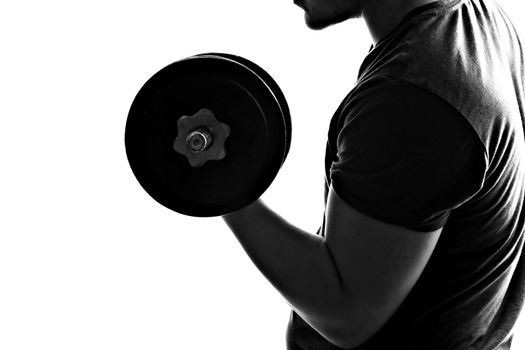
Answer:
(384, 96)
(458, 57)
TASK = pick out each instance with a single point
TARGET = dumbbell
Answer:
(207, 135)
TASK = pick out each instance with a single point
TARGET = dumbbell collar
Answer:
(201, 137)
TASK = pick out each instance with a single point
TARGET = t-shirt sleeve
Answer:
(405, 156)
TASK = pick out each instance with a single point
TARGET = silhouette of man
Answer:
(425, 184)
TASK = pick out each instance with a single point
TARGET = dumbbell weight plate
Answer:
(272, 85)
(239, 98)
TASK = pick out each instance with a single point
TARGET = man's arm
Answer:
(345, 285)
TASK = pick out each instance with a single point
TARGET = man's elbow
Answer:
(351, 342)
(354, 333)
(348, 339)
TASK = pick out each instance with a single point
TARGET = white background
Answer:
(87, 259)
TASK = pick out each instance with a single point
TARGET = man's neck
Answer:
(382, 17)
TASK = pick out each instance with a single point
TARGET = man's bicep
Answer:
(379, 263)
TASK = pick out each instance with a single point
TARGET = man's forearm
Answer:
(298, 264)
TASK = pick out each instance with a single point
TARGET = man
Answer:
(425, 174)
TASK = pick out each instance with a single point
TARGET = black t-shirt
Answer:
(431, 136)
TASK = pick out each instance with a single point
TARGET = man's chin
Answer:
(321, 23)
(316, 24)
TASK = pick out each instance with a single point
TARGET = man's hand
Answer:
(346, 285)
